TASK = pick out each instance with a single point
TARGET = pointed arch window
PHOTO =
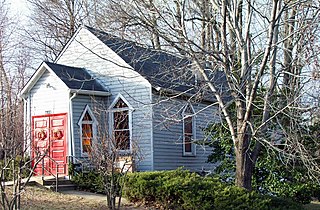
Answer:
(121, 117)
(189, 131)
(87, 124)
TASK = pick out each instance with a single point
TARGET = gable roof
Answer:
(162, 69)
(154, 65)
(76, 78)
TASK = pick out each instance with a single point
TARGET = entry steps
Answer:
(49, 182)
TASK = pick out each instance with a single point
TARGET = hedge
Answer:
(180, 189)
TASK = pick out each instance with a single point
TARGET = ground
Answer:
(35, 198)
(313, 206)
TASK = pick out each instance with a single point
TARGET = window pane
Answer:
(120, 104)
(86, 137)
(188, 110)
(188, 134)
(86, 145)
(121, 120)
(122, 139)
(187, 143)
(87, 117)
(87, 130)
(188, 125)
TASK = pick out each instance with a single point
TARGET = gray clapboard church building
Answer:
(148, 98)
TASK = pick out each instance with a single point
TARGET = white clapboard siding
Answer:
(118, 77)
(49, 95)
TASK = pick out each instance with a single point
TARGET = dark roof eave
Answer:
(178, 94)
(90, 92)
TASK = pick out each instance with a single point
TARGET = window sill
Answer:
(189, 155)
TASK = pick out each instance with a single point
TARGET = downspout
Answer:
(151, 130)
(26, 124)
(70, 122)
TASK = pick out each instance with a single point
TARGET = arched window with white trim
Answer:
(88, 126)
(121, 123)
(189, 131)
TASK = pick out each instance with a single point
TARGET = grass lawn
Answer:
(35, 198)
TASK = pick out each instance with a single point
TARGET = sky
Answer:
(19, 8)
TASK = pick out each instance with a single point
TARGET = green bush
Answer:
(283, 204)
(18, 161)
(91, 181)
(95, 182)
(182, 190)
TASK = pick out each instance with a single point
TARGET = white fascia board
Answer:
(112, 57)
(68, 43)
(32, 81)
(35, 77)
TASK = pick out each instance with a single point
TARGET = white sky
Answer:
(18, 7)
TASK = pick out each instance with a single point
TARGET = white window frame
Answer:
(193, 118)
(112, 110)
(94, 123)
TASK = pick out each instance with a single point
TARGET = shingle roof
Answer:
(76, 78)
(160, 68)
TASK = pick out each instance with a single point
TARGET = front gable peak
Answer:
(77, 80)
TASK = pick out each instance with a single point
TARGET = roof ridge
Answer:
(147, 47)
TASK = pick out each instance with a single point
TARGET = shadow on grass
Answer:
(313, 206)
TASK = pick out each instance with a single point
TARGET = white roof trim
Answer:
(35, 77)
(184, 111)
(68, 43)
(44, 67)
(116, 100)
(87, 109)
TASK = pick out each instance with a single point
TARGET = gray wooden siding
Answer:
(168, 130)
(118, 78)
(96, 104)
(49, 94)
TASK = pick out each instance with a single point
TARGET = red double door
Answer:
(50, 143)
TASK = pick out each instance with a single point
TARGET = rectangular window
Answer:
(188, 135)
(86, 138)
(121, 129)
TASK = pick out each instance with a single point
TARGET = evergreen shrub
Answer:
(183, 190)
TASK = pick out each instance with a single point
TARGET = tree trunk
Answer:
(244, 169)
(244, 161)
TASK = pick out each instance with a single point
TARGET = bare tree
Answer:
(112, 155)
(260, 47)
(54, 22)
(13, 157)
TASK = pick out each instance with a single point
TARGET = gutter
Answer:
(71, 147)
(90, 92)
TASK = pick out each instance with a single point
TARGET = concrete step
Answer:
(53, 182)
(50, 183)
(61, 188)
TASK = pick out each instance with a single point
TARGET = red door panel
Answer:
(49, 137)
(40, 140)
(58, 142)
